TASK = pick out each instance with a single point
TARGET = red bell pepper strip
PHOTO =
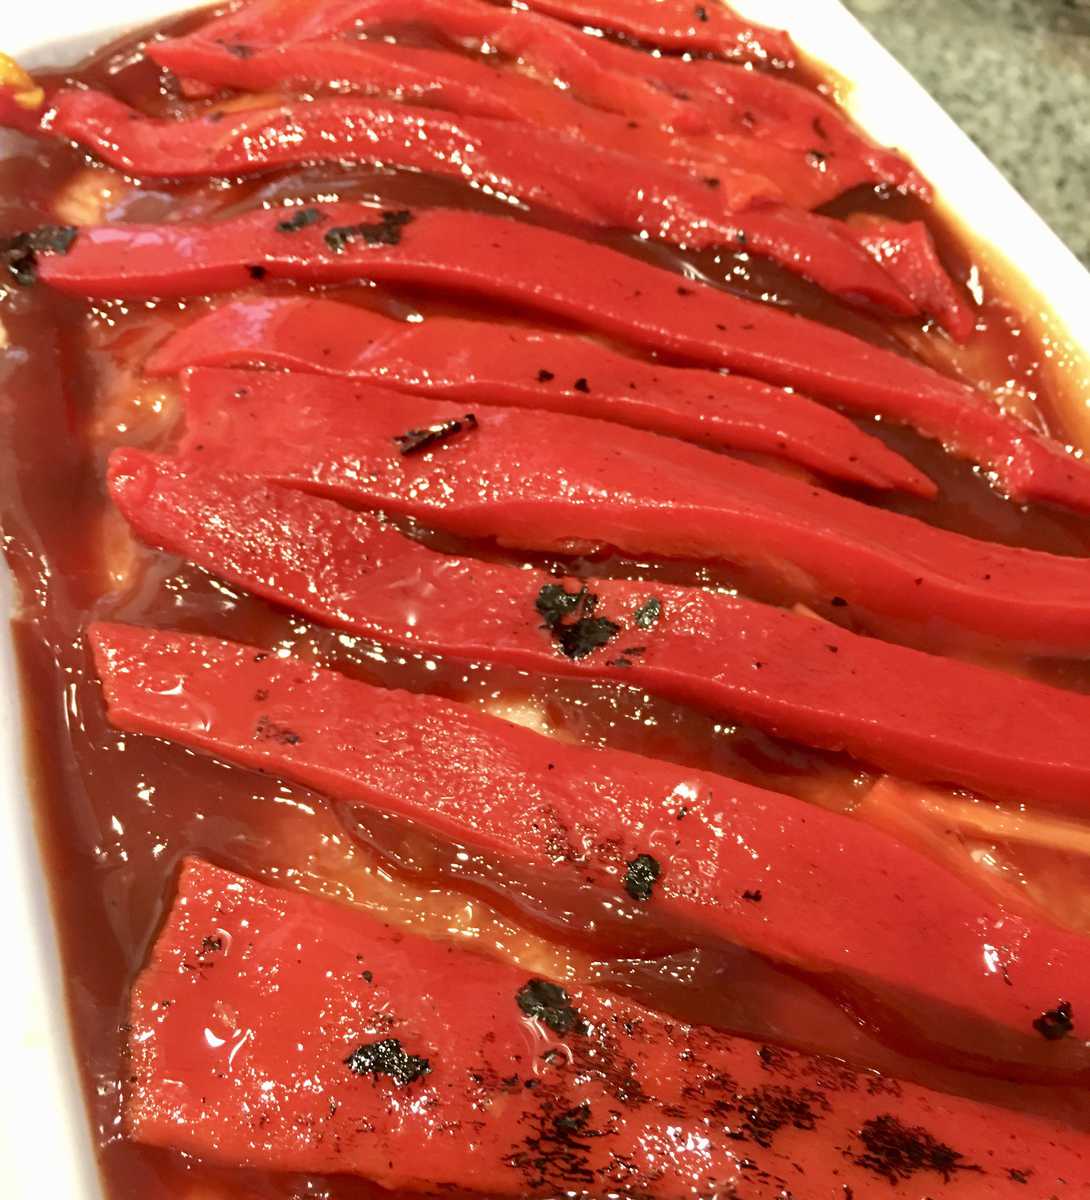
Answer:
(513, 366)
(907, 251)
(918, 715)
(552, 273)
(831, 157)
(936, 968)
(472, 86)
(535, 165)
(676, 25)
(427, 1068)
(551, 482)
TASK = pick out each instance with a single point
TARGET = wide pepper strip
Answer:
(830, 156)
(546, 272)
(537, 166)
(892, 934)
(919, 715)
(557, 483)
(489, 1078)
(511, 365)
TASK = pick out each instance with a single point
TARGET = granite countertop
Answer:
(1015, 74)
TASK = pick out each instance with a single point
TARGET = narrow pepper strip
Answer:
(919, 715)
(677, 25)
(812, 175)
(510, 365)
(707, 98)
(550, 482)
(535, 165)
(550, 273)
(889, 931)
(470, 86)
(424, 1067)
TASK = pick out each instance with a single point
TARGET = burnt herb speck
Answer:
(384, 232)
(897, 1152)
(648, 613)
(1055, 1023)
(299, 220)
(388, 1058)
(550, 1004)
(641, 876)
(415, 440)
(569, 617)
(20, 251)
(267, 730)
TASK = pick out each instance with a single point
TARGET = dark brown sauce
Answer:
(117, 812)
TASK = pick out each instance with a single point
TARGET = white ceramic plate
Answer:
(45, 1146)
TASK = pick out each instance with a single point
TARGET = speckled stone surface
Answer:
(1015, 74)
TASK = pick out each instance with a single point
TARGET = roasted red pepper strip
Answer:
(921, 716)
(384, 1054)
(536, 165)
(889, 931)
(908, 253)
(514, 366)
(676, 25)
(599, 288)
(830, 156)
(558, 483)
(472, 87)
(905, 250)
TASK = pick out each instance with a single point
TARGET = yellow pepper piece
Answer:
(27, 94)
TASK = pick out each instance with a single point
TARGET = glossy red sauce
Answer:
(117, 812)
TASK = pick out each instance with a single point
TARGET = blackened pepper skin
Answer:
(550, 1004)
(388, 1058)
(640, 878)
(414, 441)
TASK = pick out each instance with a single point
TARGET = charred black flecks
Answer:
(413, 441)
(569, 617)
(388, 1058)
(20, 251)
(641, 876)
(551, 1005)
(384, 232)
(300, 220)
(1055, 1023)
